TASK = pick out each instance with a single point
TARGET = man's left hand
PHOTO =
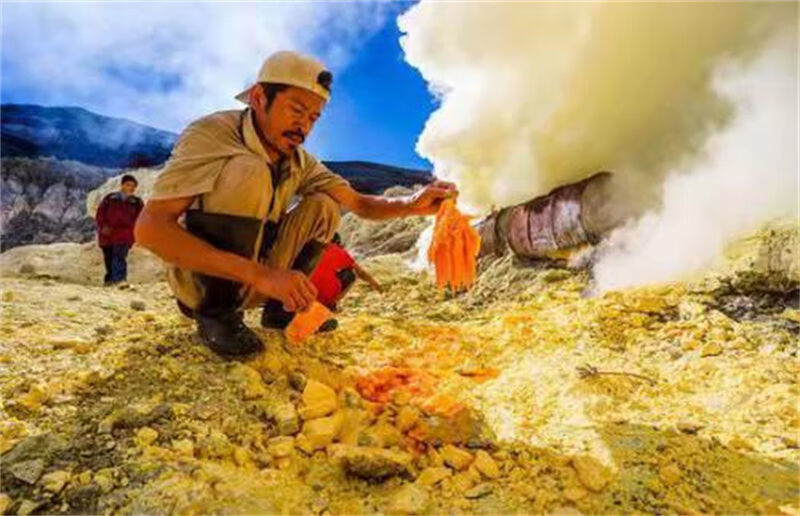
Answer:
(427, 200)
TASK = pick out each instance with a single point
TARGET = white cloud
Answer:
(165, 64)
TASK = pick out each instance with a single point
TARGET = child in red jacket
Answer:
(115, 219)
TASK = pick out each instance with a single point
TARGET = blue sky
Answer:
(380, 105)
(165, 64)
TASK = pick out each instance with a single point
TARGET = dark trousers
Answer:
(295, 242)
(116, 259)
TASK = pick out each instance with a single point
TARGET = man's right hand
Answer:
(292, 288)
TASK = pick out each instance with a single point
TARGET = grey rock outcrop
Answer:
(42, 200)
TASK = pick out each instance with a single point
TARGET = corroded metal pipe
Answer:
(569, 216)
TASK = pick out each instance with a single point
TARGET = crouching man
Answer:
(219, 213)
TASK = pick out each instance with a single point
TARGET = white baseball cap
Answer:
(294, 69)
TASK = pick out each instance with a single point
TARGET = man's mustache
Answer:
(296, 134)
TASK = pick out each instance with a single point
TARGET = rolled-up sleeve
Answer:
(192, 169)
(317, 177)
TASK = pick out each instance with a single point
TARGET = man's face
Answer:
(289, 119)
(128, 187)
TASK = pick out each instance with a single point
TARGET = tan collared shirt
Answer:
(215, 152)
(220, 161)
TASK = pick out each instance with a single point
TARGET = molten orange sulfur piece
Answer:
(306, 323)
(454, 248)
(378, 386)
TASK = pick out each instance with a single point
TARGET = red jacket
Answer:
(116, 217)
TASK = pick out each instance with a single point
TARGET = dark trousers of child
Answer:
(116, 259)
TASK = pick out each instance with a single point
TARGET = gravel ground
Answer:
(523, 396)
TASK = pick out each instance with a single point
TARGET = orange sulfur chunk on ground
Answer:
(454, 248)
(306, 323)
(379, 385)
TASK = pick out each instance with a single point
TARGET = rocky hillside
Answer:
(52, 157)
(43, 200)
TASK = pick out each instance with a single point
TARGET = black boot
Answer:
(274, 316)
(227, 335)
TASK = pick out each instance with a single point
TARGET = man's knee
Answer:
(321, 206)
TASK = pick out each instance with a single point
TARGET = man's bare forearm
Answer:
(376, 207)
(173, 244)
(423, 202)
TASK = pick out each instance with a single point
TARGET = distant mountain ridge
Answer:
(74, 133)
(53, 156)
(374, 178)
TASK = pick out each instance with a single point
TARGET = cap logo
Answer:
(325, 79)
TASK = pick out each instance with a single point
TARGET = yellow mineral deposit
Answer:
(518, 395)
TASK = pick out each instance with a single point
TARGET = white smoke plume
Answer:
(747, 174)
(534, 95)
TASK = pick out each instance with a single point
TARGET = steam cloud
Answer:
(746, 175)
(692, 105)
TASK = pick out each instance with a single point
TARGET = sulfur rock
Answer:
(302, 443)
(318, 400)
(478, 491)
(670, 474)
(738, 443)
(406, 418)
(249, 381)
(320, 432)
(184, 447)
(217, 445)
(27, 471)
(456, 458)
(280, 446)
(104, 479)
(486, 464)
(285, 417)
(688, 427)
(711, 350)
(146, 436)
(352, 421)
(28, 507)
(55, 481)
(573, 494)
(409, 499)
(381, 434)
(433, 475)
(241, 457)
(374, 463)
(350, 398)
(434, 457)
(464, 480)
(297, 381)
(591, 472)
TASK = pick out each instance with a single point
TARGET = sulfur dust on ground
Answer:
(522, 396)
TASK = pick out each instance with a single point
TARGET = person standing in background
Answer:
(116, 216)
